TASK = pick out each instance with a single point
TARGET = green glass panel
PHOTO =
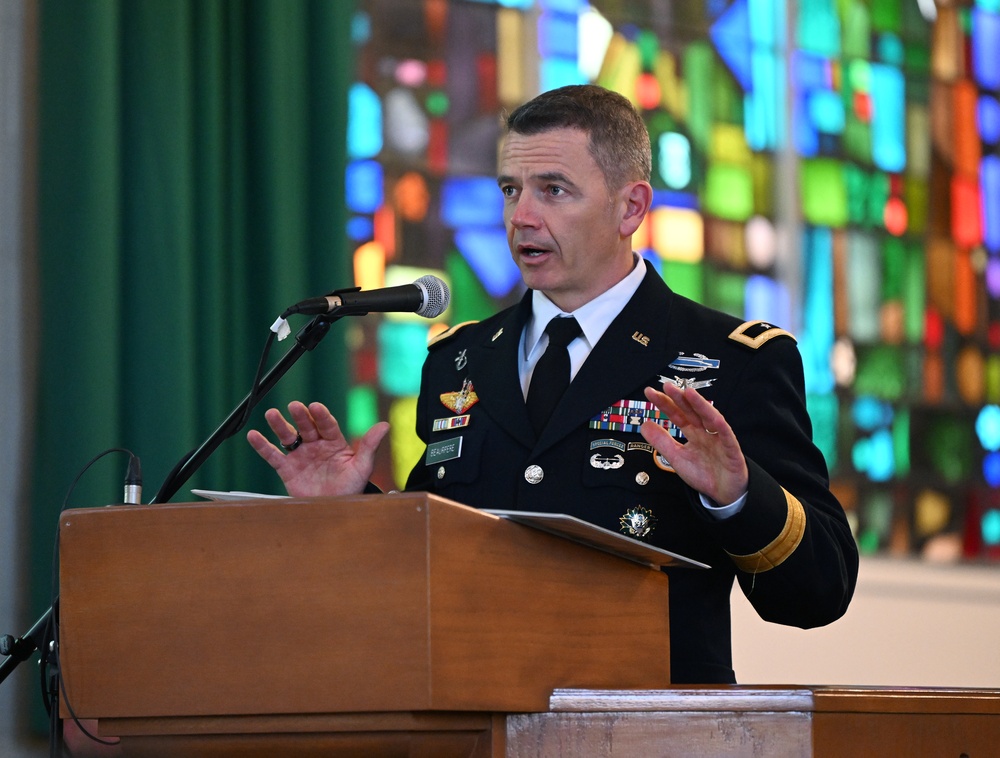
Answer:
(876, 520)
(880, 372)
(893, 268)
(437, 103)
(725, 291)
(864, 287)
(948, 447)
(887, 15)
(917, 200)
(914, 294)
(857, 29)
(992, 379)
(824, 195)
(685, 279)
(362, 410)
(901, 441)
(762, 166)
(727, 99)
(858, 190)
(649, 49)
(469, 300)
(729, 191)
(857, 139)
(698, 64)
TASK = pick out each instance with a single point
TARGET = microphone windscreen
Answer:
(436, 296)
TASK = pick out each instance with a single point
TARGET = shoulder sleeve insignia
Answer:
(755, 333)
(448, 333)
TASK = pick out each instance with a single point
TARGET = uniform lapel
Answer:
(631, 353)
(497, 382)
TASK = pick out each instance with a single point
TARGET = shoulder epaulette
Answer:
(755, 333)
(448, 333)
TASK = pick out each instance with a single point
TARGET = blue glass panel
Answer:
(360, 228)
(889, 49)
(819, 27)
(989, 184)
(988, 428)
(816, 335)
(870, 413)
(488, 255)
(557, 35)
(559, 72)
(991, 527)
(767, 299)
(731, 36)
(522, 4)
(888, 118)
(563, 6)
(402, 348)
(763, 118)
(364, 123)
(805, 135)
(874, 456)
(361, 28)
(674, 159)
(991, 469)
(810, 71)
(826, 111)
(363, 180)
(674, 199)
(988, 117)
(767, 22)
(471, 201)
(985, 43)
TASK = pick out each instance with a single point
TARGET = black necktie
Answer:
(550, 378)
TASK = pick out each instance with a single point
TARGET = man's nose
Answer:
(524, 212)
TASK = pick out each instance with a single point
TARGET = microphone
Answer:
(428, 296)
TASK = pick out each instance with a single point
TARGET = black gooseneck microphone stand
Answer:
(42, 634)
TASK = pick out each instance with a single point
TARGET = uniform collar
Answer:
(594, 317)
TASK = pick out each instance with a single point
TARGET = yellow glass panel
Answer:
(369, 266)
(729, 144)
(678, 234)
(403, 440)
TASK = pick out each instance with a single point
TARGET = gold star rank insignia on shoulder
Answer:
(460, 401)
(637, 522)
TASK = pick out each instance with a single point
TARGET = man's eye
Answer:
(508, 191)
(556, 190)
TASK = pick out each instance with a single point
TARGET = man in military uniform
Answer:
(681, 426)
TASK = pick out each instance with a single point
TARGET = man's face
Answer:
(565, 231)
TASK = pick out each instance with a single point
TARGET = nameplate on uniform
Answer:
(445, 450)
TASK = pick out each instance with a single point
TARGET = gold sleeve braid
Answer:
(783, 545)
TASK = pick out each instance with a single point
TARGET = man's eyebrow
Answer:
(549, 176)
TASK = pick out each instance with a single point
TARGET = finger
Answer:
(304, 421)
(659, 438)
(369, 443)
(264, 448)
(327, 427)
(283, 430)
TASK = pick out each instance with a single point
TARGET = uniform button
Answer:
(440, 472)
(533, 474)
(642, 478)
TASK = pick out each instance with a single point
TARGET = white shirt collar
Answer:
(594, 317)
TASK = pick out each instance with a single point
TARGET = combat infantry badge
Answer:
(637, 522)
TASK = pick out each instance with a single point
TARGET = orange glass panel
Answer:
(411, 197)
(966, 293)
(385, 230)
(933, 383)
(966, 135)
(970, 375)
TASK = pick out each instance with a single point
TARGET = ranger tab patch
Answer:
(753, 334)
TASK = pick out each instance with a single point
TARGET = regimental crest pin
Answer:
(637, 522)
(460, 401)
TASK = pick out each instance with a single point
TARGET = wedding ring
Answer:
(295, 443)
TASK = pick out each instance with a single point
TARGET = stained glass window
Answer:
(831, 166)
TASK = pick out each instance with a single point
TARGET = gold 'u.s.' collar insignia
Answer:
(641, 338)
(753, 334)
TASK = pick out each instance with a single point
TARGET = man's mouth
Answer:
(529, 251)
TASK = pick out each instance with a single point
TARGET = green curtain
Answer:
(190, 187)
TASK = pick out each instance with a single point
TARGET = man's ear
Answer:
(637, 198)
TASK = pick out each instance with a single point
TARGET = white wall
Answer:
(910, 624)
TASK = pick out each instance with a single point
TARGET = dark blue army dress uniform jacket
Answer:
(790, 546)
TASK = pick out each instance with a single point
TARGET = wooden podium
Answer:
(408, 625)
(379, 625)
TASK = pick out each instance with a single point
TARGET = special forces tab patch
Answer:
(753, 334)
